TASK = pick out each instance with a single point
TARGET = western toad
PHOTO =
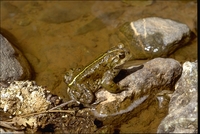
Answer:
(82, 84)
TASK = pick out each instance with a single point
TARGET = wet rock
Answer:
(182, 117)
(153, 37)
(143, 86)
(14, 66)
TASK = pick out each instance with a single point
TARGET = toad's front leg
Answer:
(109, 84)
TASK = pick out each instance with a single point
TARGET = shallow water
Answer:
(57, 35)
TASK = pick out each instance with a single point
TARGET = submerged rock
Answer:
(138, 3)
(100, 22)
(95, 25)
(62, 13)
(142, 86)
(14, 66)
(153, 37)
(182, 117)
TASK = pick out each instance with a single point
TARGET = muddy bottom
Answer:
(56, 36)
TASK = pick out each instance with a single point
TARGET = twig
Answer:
(50, 110)
(9, 125)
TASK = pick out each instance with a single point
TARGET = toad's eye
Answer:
(122, 55)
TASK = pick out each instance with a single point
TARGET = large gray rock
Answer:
(14, 66)
(142, 87)
(153, 37)
(182, 117)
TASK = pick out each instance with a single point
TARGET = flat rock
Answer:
(182, 117)
(142, 86)
(154, 37)
(14, 66)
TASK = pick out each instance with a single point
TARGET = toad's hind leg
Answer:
(86, 96)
